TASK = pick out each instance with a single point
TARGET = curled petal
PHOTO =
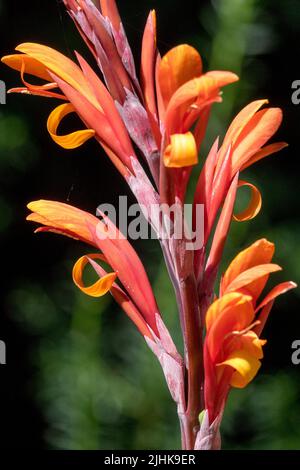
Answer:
(245, 365)
(254, 206)
(69, 141)
(181, 152)
(100, 287)
(95, 119)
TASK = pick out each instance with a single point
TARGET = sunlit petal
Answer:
(245, 365)
(254, 205)
(101, 286)
(181, 152)
(69, 141)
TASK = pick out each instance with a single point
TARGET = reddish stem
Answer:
(193, 356)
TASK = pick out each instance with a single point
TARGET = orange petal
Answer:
(160, 102)
(254, 206)
(232, 312)
(267, 304)
(265, 152)
(95, 119)
(260, 252)
(221, 231)
(100, 287)
(241, 120)
(31, 65)
(249, 342)
(110, 10)
(58, 216)
(61, 66)
(228, 301)
(148, 63)
(261, 127)
(276, 291)
(192, 97)
(131, 311)
(252, 274)
(178, 66)
(245, 365)
(108, 106)
(181, 152)
(69, 141)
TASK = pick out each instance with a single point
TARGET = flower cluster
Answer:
(152, 128)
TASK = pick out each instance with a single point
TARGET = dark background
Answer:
(78, 375)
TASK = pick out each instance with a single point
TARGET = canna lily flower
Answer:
(234, 323)
(243, 146)
(87, 96)
(174, 94)
(186, 99)
(136, 296)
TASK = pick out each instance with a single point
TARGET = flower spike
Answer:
(152, 129)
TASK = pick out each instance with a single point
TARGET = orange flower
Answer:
(233, 349)
(87, 95)
(184, 96)
(187, 95)
(137, 296)
(243, 145)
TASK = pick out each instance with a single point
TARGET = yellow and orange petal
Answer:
(99, 288)
(61, 66)
(245, 367)
(232, 312)
(30, 65)
(69, 141)
(254, 205)
(181, 152)
(178, 66)
(57, 216)
(259, 253)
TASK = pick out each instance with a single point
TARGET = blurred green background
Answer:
(78, 375)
